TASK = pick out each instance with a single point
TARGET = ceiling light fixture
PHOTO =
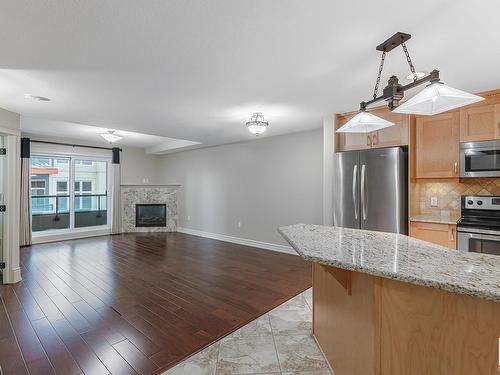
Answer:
(36, 98)
(110, 136)
(433, 99)
(257, 125)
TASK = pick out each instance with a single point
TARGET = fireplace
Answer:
(150, 215)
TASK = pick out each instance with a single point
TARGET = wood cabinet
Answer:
(350, 141)
(437, 145)
(440, 234)
(396, 135)
(480, 123)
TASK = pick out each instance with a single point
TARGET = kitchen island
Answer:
(388, 304)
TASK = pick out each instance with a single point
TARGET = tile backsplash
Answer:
(448, 193)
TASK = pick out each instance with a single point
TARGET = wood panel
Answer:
(480, 123)
(433, 332)
(440, 234)
(345, 325)
(135, 303)
(392, 328)
(437, 145)
(350, 141)
(396, 135)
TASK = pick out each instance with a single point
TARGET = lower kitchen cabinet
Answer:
(440, 234)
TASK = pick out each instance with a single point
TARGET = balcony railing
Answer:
(53, 211)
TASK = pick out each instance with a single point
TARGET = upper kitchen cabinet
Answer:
(350, 141)
(437, 142)
(396, 135)
(480, 123)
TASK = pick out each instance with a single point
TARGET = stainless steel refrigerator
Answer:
(370, 189)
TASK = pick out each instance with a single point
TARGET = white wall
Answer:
(263, 184)
(9, 120)
(10, 181)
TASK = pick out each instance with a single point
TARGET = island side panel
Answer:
(434, 332)
(346, 319)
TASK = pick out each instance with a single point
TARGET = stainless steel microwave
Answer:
(480, 159)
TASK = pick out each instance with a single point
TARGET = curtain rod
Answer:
(74, 145)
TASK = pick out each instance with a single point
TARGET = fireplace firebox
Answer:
(150, 215)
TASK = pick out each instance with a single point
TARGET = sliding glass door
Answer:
(90, 187)
(68, 193)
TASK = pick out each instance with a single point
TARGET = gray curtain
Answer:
(116, 207)
(25, 214)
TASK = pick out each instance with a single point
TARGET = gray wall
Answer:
(138, 168)
(263, 184)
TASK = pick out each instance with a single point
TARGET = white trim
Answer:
(239, 240)
(12, 182)
(52, 237)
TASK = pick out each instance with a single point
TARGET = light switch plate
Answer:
(434, 201)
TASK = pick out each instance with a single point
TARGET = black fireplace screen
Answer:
(150, 215)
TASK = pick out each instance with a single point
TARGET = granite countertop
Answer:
(436, 219)
(398, 257)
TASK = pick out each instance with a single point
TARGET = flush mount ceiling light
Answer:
(36, 98)
(433, 99)
(110, 136)
(257, 125)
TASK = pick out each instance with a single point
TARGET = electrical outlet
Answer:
(189, 218)
(145, 180)
(239, 224)
(434, 201)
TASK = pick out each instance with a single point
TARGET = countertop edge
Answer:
(476, 293)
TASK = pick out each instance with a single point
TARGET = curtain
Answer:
(25, 214)
(116, 207)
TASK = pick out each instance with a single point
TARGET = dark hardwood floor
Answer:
(131, 304)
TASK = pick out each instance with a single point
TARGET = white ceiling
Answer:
(196, 70)
(80, 133)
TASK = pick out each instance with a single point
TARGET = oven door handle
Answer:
(483, 237)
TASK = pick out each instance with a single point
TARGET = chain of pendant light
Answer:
(381, 67)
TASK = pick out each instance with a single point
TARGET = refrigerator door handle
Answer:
(363, 187)
(354, 195)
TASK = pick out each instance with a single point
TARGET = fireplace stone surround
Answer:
(131, 195)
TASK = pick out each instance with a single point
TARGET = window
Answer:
(68, 193)
(38, 187)
(87, 163)
(83, 188)
(61, 187)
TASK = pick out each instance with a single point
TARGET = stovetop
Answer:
(481, 212)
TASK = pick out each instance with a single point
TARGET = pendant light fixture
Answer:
(257, 125)
(435, 98)
(110, 136)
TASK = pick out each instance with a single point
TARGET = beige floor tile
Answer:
(300, 353)
(202, 363)
(250, 355)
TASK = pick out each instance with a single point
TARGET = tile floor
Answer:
(279, 342)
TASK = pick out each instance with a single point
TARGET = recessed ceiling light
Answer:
(36, 98)
(110, 136)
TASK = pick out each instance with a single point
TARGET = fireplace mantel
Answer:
(131, 195)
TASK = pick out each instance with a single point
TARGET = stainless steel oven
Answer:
(479, 242)
(480, 159)
(479, 225)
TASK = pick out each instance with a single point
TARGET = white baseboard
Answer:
(43, 238)
(238, 240)
(12, 276)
